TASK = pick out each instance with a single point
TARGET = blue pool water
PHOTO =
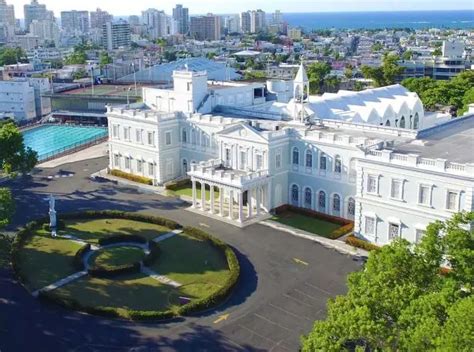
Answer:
(50, 140)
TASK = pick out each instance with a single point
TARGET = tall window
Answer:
(352, 170)
(419, 233)
(402, 122)
(323, 162)
(322, 200)
(127, 162)
(452, 200)
(369, 225)
(397, 189)
(416, 122)
(116, 160)
(151, 169)
(139, 166)
(393, 231)
(168, 138)
(372, 184)
(296, 156)
(308, 198)
(151, 139)
(294, 195)
(138, 135)
(337, 164)
(278, 160)
(351, 207)
(115, 131)
(126, 133)
(243, 160)
(336, 203)
(424, 196)
(309, 158)
(185, 166)
(259, 161)
(184, 136)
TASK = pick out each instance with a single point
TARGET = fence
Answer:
(74, 147)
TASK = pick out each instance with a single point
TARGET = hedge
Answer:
(312, 213)
(341, 231)
(78, 260)
(103, 272)
(220, 295)
(60, 225)
(131, 177)
(113, 239)
(175, 185)
(357, 242)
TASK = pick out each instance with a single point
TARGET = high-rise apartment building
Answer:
(46, 31)
(7, 13)
(99, 18)
(116, 35)
(75, 21)
(36, 11)
(181, 16)
(245, 22)
(257, 21)
(206, 27)
(156, 23)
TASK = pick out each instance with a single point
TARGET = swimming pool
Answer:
(50, 140)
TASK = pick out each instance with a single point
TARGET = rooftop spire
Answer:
(301, 76)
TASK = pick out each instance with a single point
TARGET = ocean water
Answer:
(379, 20)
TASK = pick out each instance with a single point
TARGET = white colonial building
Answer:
(365, 156)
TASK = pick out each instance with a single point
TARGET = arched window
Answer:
(322, 162)
(351, 205)
(322, 200)
(337, 164)
(402, 122)
(336, 203)
(416, 121)
(308, 197)
(352, 170)
(309, 158)
(294, 195)
(296, 156)
(387, 123)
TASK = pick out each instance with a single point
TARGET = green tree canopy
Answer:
(402, 302)
(78, 57)
(7, 207)
(385, 74)
(104, 59)
(11, 56)
(14, 157)
(317, 73)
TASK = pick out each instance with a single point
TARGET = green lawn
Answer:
(4, 251)
(92, 230)
(116, 256)
(188, 192)
(135, 291)
(306, 223)
(200, 267)
(45, 260)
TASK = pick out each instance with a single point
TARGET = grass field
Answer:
(200, 267)
(112, 257)
(197, 265)
(116, 90)
(92, 230)
(307, 223)
(45, 260)
(136, 291)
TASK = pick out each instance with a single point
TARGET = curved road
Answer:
(275, 302)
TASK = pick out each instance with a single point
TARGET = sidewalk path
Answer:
(60, 283)
(161, 278)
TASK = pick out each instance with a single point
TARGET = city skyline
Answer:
(195, 8)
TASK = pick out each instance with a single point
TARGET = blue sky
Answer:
(125, 7)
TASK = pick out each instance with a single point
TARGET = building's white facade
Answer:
(390, 181)
(22, 100)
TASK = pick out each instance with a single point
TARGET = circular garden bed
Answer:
(131, 266)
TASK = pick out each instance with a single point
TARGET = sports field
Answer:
(107, 89)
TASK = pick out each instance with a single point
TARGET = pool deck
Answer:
(96, 151)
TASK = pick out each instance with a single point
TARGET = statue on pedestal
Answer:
(52, 215)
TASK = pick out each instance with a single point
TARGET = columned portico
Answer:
(240, 199)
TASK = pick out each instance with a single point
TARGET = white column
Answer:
(267, 196)
(221, 201)
(258, 200)
(212, 200)
(241, 206)
(231, 204)
(194, 193)
(203, 196)
(249, 202)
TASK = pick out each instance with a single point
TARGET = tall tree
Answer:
(14, 156)
(7, 206)
(385, 74)
(317, 74)
(401, 302)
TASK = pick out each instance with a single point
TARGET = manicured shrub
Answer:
(131, 177)
(151, 257)
(104, 241)
(78, 260)
(115, 271)
(176, 185)
(359, 243)
(341, 231)
(311, 213)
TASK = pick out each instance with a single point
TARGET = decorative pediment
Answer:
(243, 132)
